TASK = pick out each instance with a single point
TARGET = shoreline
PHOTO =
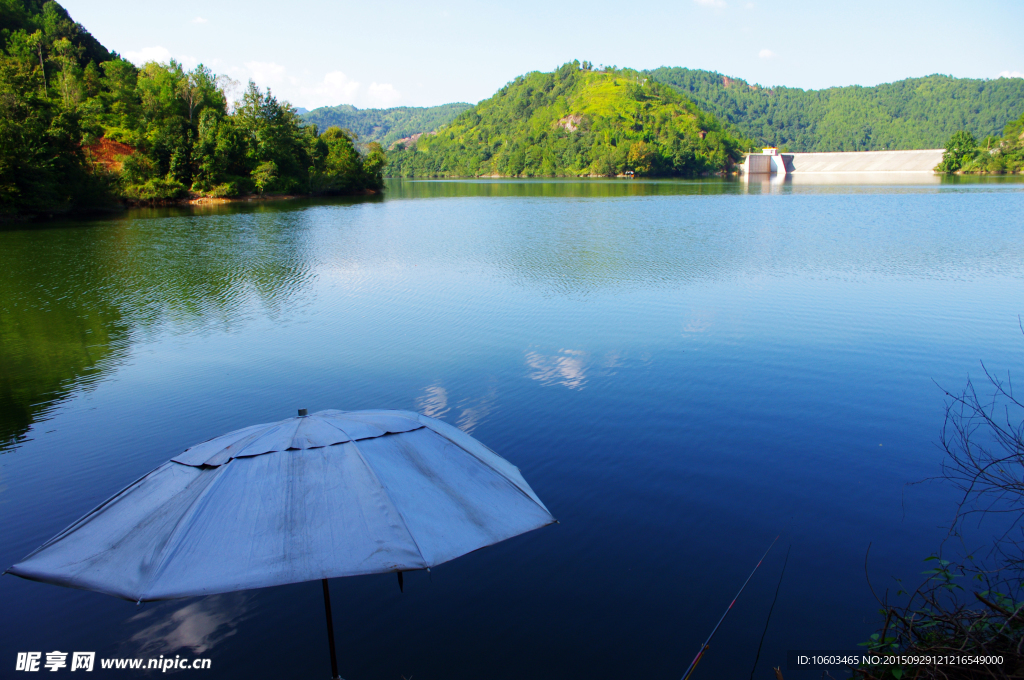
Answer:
(729, 173)
(986, 172)
(121, 204)
(215, 200)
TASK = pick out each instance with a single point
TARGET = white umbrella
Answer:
(335, 493)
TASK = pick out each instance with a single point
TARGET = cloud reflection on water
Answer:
(476, 410)
(433, 402)
(700, 321)
(198, 625)
(568, 367)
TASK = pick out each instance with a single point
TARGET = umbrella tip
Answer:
(303, 412)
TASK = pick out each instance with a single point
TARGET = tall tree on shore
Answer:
(197, 87)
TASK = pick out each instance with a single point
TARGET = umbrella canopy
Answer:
(335, 493)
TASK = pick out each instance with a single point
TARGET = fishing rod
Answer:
(704, 647)
(770, 610)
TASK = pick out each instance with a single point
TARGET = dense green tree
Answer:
(960, 148)
(1000, 155)
(42, 167)
(198, 89)
(374, 163)
(340, 158)
(80, 127)
(264, 175)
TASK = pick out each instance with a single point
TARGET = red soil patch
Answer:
(107, 152)
(410, 142)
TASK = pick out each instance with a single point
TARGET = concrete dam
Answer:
(770, 161)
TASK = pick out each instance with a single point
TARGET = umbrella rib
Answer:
(330, 424)
(385, 432)
(249, 438)
(490, 467)
(180, 527)
(384, 491)
(84, 519)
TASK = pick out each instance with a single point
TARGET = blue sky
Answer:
(314, 53)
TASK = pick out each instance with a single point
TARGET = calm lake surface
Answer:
(682, 371)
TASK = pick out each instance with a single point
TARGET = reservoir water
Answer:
(681, 370)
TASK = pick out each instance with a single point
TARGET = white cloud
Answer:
(766, 54)
(1011, 74)
(160, 54)
(383, 95)
(199, 20)
(301, 90)
(710, 3)
(336, 88)
(266, 72)
(749, 5)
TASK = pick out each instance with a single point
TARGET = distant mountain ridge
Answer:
(914, 113)
(385, 126)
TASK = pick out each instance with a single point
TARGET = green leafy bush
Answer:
(156, 189)
(225, 190)
(1000, 155)
(961, 148)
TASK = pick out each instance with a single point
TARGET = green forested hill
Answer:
(574, 121)
(916, 113)
(385, 126)
(80, 127)
(51, 19)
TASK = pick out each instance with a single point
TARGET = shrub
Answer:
(225, 190)
(156, 189)
(948, 615)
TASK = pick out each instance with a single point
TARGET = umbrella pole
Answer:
(330, 633)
